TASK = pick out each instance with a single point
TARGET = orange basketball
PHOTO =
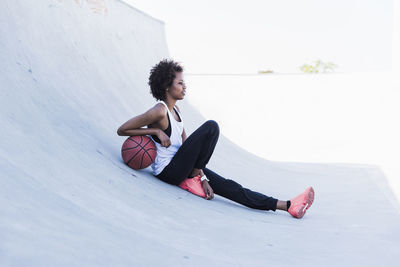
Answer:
(138, 152)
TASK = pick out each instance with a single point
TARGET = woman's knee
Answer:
(212, 125)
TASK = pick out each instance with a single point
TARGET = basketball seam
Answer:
(140, 143)
(145, 151)
(129, 161)
(134, 141)
(150, 155)
(141, 160)
(129, 148)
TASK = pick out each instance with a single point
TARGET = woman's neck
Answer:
(170, 103)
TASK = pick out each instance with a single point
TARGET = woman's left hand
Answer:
(208, 190)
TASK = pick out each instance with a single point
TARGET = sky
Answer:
(245, 37)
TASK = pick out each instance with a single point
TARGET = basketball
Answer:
(138, 152)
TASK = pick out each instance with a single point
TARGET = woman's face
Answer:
(178, 87)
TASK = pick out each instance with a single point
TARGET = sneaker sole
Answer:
(309, 201)
(187, 189)
(311, 194)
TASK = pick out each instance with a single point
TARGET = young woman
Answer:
(182, 160)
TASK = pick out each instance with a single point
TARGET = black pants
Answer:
(195, 152)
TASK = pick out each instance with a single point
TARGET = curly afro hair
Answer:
(161, 77)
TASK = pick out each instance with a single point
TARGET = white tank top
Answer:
(165, 154)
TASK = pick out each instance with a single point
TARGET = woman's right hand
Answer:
(165, 141)
(208, 190)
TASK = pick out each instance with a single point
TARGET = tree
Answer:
(318, 66)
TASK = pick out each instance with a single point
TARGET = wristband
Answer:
(204, 178)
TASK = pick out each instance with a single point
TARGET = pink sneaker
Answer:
(193, 185)
(300, 204)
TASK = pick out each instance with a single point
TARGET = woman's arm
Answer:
(134, 126)
(183, 135)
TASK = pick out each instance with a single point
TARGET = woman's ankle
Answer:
(195, 172)
(282, 205)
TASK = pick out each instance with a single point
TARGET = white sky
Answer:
(244, 37)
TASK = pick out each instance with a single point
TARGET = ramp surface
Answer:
(71, 72)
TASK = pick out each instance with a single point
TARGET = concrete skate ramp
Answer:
(71, 72)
